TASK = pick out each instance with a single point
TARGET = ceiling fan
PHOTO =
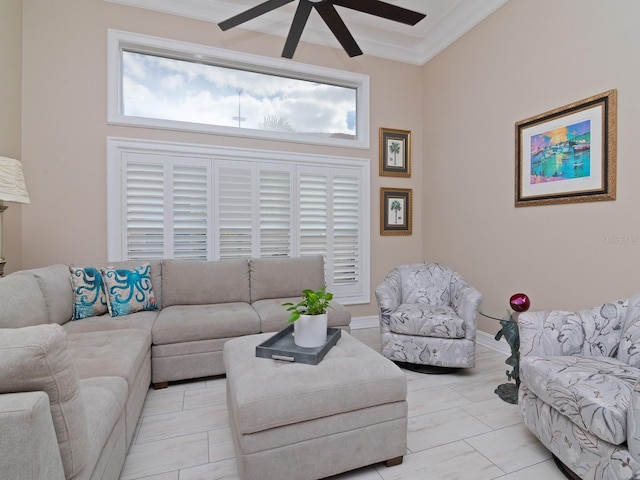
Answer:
(330, 16)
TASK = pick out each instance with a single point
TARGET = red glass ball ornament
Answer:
(519, 302)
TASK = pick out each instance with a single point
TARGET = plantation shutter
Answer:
(346, 227)
(188, 204)
(275, 213)
(191, 215)
(313, 212)
(235, 211)
(144, 206)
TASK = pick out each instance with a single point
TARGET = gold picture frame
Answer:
(396, 211)
(395, 152)
(568, 154)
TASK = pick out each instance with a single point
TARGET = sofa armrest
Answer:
(389, 297)
(28, 443)
(594, 332)
(633, 423)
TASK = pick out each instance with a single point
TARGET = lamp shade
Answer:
(12, 186)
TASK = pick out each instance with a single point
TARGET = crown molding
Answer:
(445, 23)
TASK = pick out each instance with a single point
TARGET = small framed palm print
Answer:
(395, 153)
(396, 211)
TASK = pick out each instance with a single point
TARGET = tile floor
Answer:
(458, 429)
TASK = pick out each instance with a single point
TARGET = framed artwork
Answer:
(395, 153)
(568, 155)
(396, 205)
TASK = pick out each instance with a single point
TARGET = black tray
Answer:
(281, 347)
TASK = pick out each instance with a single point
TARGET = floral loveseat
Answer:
(579, 391)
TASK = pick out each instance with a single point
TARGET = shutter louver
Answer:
(275, 213)
(190, 212)
(144, 210)
(346, 225)
(235, 212)
(313, 212)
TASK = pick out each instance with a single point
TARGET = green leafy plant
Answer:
(315, 302)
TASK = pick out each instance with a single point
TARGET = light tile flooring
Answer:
(457, 429)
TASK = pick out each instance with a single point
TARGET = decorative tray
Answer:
(281, 347)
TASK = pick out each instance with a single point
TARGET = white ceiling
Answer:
(446, 21)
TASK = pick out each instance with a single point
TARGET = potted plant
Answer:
(309, 318)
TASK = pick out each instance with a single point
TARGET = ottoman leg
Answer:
(392, 462)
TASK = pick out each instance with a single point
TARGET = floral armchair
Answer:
(428, 316)
(579, 391)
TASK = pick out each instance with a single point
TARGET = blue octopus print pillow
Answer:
(129, 290)
(89, 297)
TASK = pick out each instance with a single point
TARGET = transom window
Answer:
(167, 84)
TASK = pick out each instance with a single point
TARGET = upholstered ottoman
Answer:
(293, 421)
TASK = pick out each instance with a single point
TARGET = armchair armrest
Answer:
(465, 299)
(28, 444)
(389, 297)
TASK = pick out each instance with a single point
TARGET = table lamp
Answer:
(12, 189)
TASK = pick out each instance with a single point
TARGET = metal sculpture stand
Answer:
(508, 392)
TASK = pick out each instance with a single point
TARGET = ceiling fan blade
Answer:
(339, 29)
(252, 13)
(382, 9)
(297, 26)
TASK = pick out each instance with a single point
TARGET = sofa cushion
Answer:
(195, 282)
(104, 399)
(140, 320)
(629, 349)
(36, 359)
(110, 353)
(427, 321)
(22, 302)
(192, 323)
(274, 317)
(593, 392)
(285, 277)
(89, 296)
(602, 327)
(129, 290)
(55, 285)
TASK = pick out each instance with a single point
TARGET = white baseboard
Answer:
(482, 338)
(371, 321)
(487, 340)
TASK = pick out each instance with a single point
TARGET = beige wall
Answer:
(527, 58)
(64, 113)
(11, 119)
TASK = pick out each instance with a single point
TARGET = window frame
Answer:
(121, 40)
(118, 147)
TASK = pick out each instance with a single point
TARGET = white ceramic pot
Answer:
(310, 331)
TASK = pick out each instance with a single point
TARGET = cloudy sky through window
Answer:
(171, 89)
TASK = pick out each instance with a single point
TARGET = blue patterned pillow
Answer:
(129, 291)
(89, 298)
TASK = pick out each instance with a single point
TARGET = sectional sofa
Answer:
(73, 383)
